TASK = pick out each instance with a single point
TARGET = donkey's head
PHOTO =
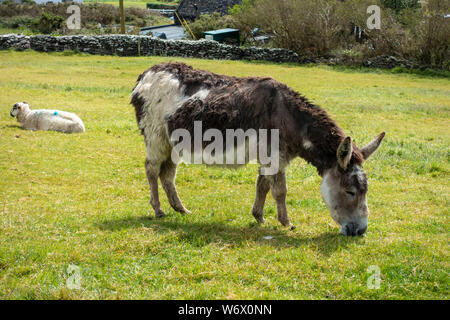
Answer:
(344, 188)
(19, 107)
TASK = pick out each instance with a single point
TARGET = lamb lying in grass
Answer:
(46, 119)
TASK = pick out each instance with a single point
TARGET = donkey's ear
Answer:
(372, 146)
(344, 152)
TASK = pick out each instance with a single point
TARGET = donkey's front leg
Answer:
(262, 187)
(279, 191)
(152, 171)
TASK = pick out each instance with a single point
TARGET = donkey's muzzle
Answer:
(352, 229)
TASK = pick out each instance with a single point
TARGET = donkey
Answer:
(170, 96)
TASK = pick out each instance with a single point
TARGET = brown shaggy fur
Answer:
(223, 102)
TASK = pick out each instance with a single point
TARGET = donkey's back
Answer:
(174, 96)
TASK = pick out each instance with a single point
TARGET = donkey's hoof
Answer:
(160, 214)
(292, 227)
(184, 211)
(261, 220)
(258, 217)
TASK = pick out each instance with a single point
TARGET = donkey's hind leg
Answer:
(279, 191)
(167, 176)
(152, 171)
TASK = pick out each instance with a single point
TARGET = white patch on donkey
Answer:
(162, 96)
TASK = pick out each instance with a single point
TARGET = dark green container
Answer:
(160, 6)
(223, 35)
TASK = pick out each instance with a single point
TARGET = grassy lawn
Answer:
(82, 199)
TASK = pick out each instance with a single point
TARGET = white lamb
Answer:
(56, 120)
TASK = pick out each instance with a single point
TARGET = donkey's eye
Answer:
(350, 193)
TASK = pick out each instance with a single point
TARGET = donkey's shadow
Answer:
(14, 126)
(200, 234)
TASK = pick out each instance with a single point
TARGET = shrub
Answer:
(21, 22)
(243, 19)
(429, 30)
(391, 39)
(308, 27)
(398, 5)
(207, 22)
(418, 34)
(322, 27)
(47, 23)
(16, 22)
(91, 15)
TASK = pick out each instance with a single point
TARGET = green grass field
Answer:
(82, 199)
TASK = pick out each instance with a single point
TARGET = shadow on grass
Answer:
(15, 126)
(199, 234)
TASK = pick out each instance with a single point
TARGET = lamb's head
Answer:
(19, 107)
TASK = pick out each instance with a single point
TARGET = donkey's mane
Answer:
(318, 127)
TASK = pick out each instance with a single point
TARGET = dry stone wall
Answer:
(134, 45)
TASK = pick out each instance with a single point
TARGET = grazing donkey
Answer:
(172, 96)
